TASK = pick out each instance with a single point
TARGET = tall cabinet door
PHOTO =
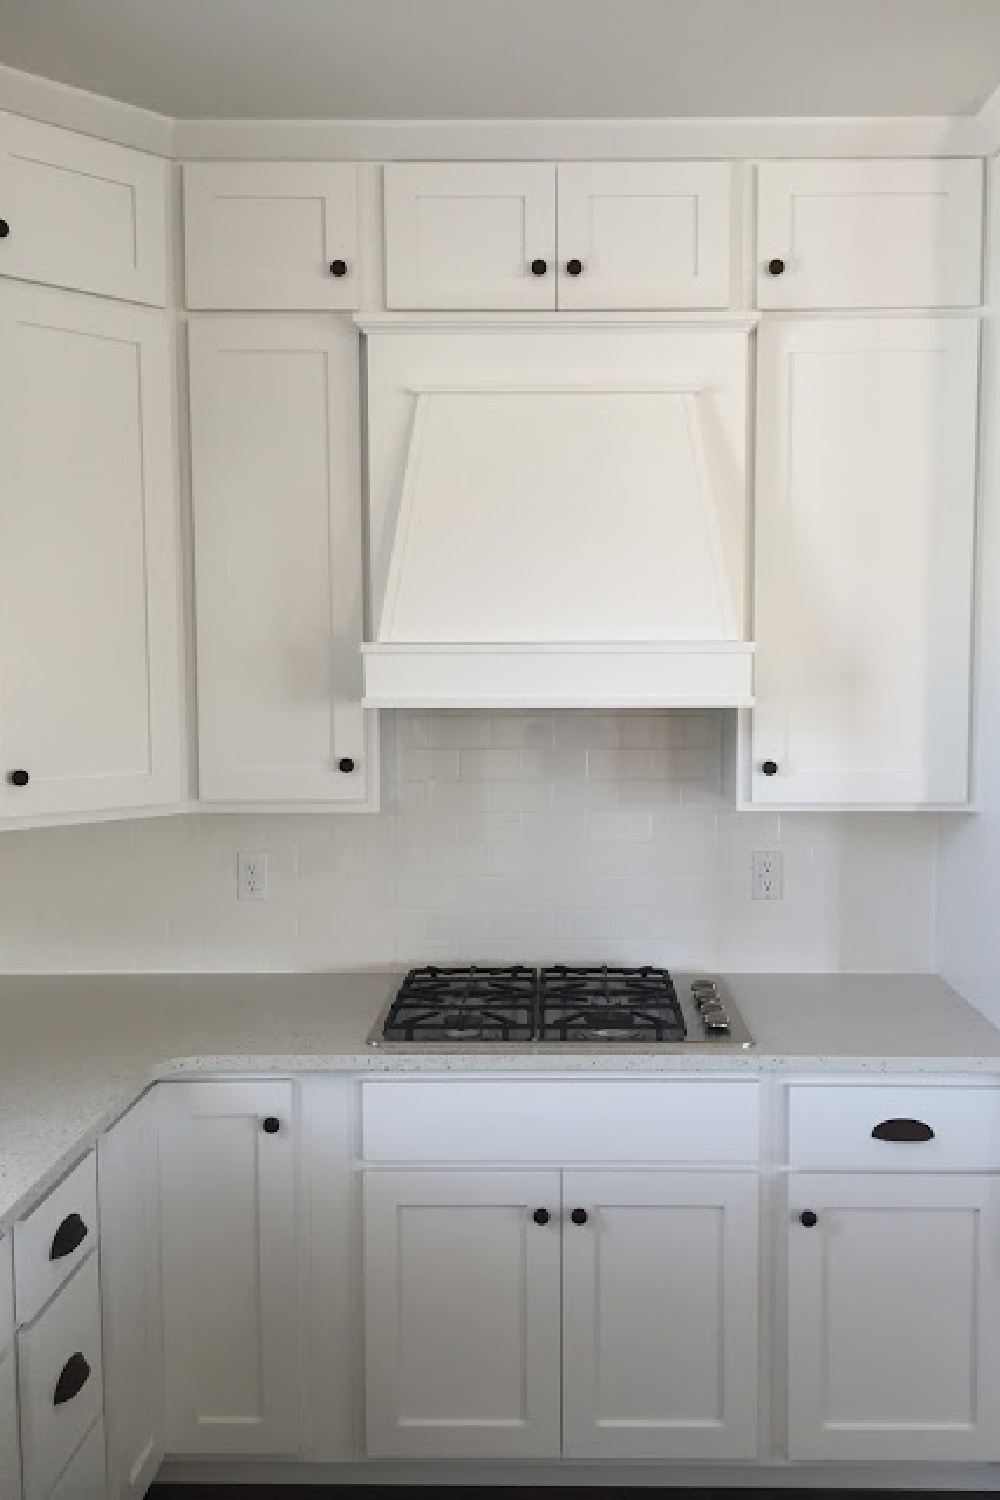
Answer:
(230, 1267)
(89, 585)
(644, 234)
(893, 1306)
(866, 463)
(278, 564)
(131, 1299)
(660, 1299)
(470, 235)
(462, 1314)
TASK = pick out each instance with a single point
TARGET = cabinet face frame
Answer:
(84, 214)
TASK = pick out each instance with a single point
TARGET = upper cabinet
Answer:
(532, 236)
(282, 236)
(81, 213)
(275, 426)
(866, 464)
(90, 636)
(858, 234)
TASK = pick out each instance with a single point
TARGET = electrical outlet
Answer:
(766, 875)
(251, 877)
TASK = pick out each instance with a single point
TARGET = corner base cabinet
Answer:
(893, 1311)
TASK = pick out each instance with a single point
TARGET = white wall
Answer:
(969, 894)
(504, 836)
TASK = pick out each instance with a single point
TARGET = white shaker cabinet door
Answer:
(866, 465)
(131, 1305)
(90, 637)
(82, 213)
(644, 234)
(660, 1297)
(281, 235)
(10, 1451)
(474, 235)
(278, 562)
(893, 1307)
(462, 1314)
(230, 1240)
(869, 234)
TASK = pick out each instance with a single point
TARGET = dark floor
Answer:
(504, 1492)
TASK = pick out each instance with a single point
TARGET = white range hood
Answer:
(557, 514)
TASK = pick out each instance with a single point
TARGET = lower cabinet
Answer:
(528, 1313)
(86, 1474)
(894, 1303)
(10, 1450)
(229, 1266)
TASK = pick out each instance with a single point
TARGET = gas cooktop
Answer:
(595, 1005)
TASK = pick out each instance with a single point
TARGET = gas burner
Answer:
(465, 1003)
(607, 1003)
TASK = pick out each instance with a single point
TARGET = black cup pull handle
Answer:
(903, 1130)
(4, 229)
(72, 1378)
(68, 1237)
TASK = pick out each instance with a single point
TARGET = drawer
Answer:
(561, 1120)
(833, 1127)
(86, 1474)
(6, 1295)
(60, 1380)
(55, 1237)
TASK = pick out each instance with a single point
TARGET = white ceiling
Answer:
(501, 59)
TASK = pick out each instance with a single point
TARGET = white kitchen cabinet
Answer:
(643, 234)
(82, 213)
(470, 235)
(893, 1303)
(864, 554)
(275, 423)
(10, 1448)
(128, 1181)
(462, 1314)
(229, 1267)
(660, 1296)
(85, 1476)
(90, 636)
(280, 235)
(869, 234)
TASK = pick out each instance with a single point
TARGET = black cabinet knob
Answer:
(574, 267)
(18, 778)
(539, 267)
(271, 1124)
(541, 1216)
(769, 767)
(579, 1216)
(338, 268)
(808, 1219)
(4, 229)
(776, 267)
(68, 1237)
(346, 765)
(72, 1378)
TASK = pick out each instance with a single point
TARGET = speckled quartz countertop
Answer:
(76, 1051)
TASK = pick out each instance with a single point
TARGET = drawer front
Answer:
(86, 1475)
(52, 1241)
(888, 1129)
(60, 1379)
(6, 1294)
(561, 1120)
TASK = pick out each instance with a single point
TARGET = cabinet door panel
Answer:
(660, 1298)
(89, 609)
(82, 213)
(278, 568)
(131, 1300)
(648, 234)
(464, 235)
(864, 560)
(894, 1296)
(267, 235)
(229, 1246)
(10, 1450)
(461, 1314)
(870, 233)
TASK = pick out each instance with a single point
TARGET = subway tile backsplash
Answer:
(535, 836)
